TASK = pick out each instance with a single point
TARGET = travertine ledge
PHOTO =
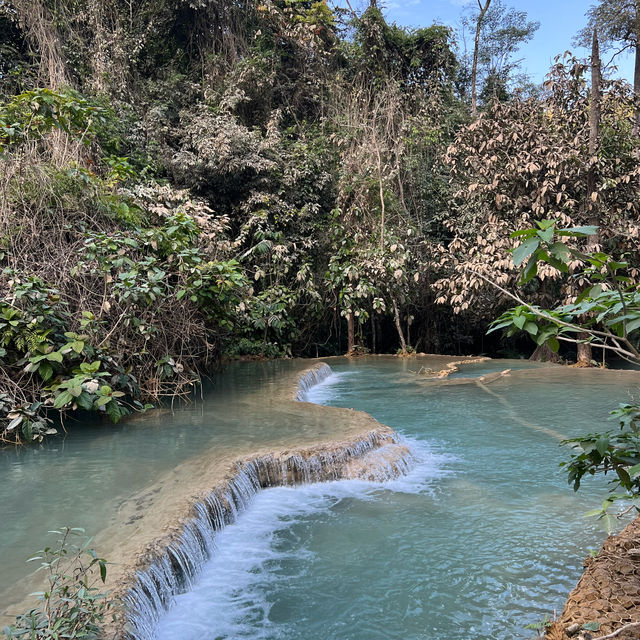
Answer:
(608, 591)
(169, 564)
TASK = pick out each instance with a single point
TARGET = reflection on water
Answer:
(484, 537)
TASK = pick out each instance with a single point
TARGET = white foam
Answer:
(324, 392)
(228, 598)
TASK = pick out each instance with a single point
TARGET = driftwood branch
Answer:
(617, 632)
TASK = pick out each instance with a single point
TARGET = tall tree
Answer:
(618, 24)
(483, 8)
(591, 202)
(499, 32)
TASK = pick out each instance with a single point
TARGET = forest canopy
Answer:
(183, 181)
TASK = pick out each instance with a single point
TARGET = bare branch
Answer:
(626, 627)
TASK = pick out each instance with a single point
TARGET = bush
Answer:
(72, 606)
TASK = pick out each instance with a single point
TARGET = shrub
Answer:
(71, 606)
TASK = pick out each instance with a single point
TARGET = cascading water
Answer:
(377, 456)
(310, 378)
(475, 545)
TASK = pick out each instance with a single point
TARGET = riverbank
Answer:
(608, 592)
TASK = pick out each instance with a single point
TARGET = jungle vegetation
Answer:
(182, 181)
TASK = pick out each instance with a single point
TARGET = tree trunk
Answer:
(544, 354)
(476, 47)
(636, 72)
(351, 334)
(381, 195)
(596, 100)
(591, 205)
(584, 351)
(373, 332)
(396, 315)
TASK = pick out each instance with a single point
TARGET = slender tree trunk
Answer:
(636, 71)
(476, 48)
(381, 195)
(351, 333)
(396, 316)
(584, 350)
(596, 100)
(373, 332)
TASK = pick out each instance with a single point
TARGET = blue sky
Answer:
(559, 21)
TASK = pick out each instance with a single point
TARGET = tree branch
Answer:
(626, 627)
(562, 323)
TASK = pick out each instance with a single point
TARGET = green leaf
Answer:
(529, 233)
(532, 328)
(62, 399)
(45, 370)
(634, 471)
(602, 444)
(625, 479)
(77, 346)
(632, 325)
(560, 251)
(553, 343)
(85, 401)
(54, 356)
(579, 231)
(530, 271)
(546, 235)
(519, 321)
(523, 251)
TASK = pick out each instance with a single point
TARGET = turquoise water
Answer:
(83, 478)
(483, 537)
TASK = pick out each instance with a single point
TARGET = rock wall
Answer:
(608, 591)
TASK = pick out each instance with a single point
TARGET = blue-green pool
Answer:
(483, 537)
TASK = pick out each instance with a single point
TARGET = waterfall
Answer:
(377, 455)
(310, 378)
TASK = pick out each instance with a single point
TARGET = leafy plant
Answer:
(607, 309)
(72, 606)
(35, 113)
(606, 313)
(541, 626)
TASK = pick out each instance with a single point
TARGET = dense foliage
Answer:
(184, 180)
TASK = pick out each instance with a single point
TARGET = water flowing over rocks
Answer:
(311, 377)
(170, 564)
